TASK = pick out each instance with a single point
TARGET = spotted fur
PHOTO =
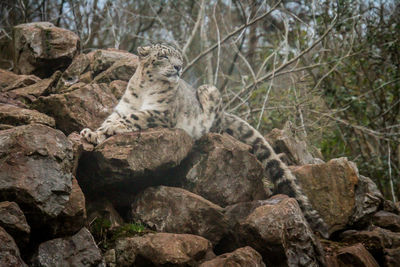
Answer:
(155, 96)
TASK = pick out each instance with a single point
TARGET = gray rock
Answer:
(368, 199)
(77, 250)
(387, 220)
(36, 170)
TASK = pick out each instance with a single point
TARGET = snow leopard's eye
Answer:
(162, 56)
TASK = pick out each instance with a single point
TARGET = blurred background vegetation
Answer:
(331, 68)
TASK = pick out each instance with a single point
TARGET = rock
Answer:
(15, 116)
(77, 250)
(104, 210)
(85, 106)
(103, 65)
(10, 80)
(129, 160)
(224, 171)
(162, 249)
(368, 200)
(120, 70)
(73, 216)
(278, 230)
(13, 220)
(296, 152)
(9, 252)
(241, 257)
(375, 239)
(118, 88)
(40, 48)
(331, 189)
(175, 210)
(390, 206)
(30, 93)
(355, 255)
(387, 220)
(35, 170)
(392, 257)
(104, 59)
(79, 145)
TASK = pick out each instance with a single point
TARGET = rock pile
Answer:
(155, 197)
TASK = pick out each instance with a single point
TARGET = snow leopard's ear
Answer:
(143, 51)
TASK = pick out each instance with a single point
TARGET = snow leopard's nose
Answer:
(178, 68)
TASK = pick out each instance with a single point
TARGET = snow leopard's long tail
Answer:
(283, 179)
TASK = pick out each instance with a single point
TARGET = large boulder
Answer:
(13, 220)
(103, 66)
(87, 105)
(355, 255)
(387, 220)
(368, 199)
(392, 257)
(40, 48)
(175, 210)
(14, 116)
(162, 249)
(10, 81)
(376, 240)
(134, 160)
(295, 151)
(35, 170)
(277, 229)
(9, 252)
(331, 189)
(245, 256)
(77, 250)
(224, 171)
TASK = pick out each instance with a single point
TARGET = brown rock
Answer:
(175, 210)
(40, 48)
(30, 93)
(279, 232)
(356, 255)
(36, 170)
(77, 250)
(15, 116)
(296, 152)
(120, 70)
(10, 80)
(387, 220)
(224, 171)
(241, 257)
(132, 158)
(392, 257)
(79, 145)
(104, 59)
(9, 252)
(161, 249)
(368, 200)
(375, 240)
(331, 189)
(118, 88)
(86, 106)
(13, 220)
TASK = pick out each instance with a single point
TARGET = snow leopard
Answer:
(157, 97)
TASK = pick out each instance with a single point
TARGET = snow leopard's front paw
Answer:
(93, 137)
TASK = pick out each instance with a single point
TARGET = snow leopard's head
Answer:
(161, 62)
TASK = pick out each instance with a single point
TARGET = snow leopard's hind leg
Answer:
(283, 179)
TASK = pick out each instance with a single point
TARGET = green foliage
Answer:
(105, 236)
